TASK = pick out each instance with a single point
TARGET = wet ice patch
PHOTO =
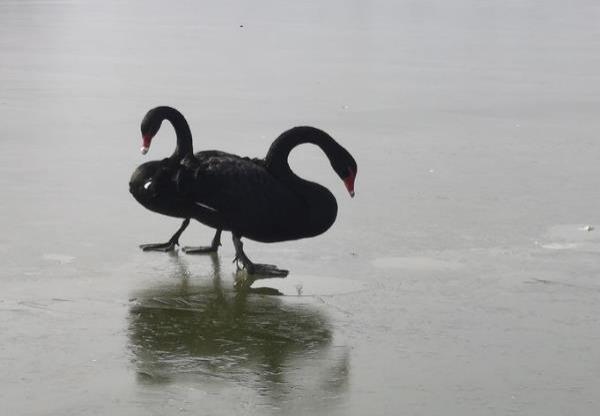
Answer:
(571, 237)
(559, 246)
(415, 263)
(59, 258)
(306, 285)
(579, 232)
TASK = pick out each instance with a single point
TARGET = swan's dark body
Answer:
(260, 199)
(251, 202)
(236, 194)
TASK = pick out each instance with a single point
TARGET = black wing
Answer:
(248, 199)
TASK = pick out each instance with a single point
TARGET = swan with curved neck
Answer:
(260, 199)
(341, 160)
(151, 183)
(151, 124)
(320, 203)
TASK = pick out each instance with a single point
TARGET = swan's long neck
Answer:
(277, 156)
(182, 130)
(321, 206)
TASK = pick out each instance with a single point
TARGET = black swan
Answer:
(260, 199)
(151, 183)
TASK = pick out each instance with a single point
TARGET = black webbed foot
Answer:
(255, 270)
(164, 247)
(199, 250)
(214, 246)
(268, 270)
(169, 245)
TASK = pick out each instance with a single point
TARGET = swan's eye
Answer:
(147, 185)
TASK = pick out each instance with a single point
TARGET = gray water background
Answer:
(461, 280)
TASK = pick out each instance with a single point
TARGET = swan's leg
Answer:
(214, 246)
(256, 270)
(169, 245)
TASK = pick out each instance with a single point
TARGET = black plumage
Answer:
(260, 199)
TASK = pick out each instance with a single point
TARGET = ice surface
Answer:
(460, 280)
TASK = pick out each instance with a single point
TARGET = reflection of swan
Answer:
(200, 331)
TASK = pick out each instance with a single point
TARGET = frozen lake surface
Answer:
(463, 279)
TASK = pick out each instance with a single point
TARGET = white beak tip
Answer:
(144, 150)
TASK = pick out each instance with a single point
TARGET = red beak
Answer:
(146, 140)
(349, 182)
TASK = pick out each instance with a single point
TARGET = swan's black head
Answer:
(150, 126)
(345, 166)
(341, 160)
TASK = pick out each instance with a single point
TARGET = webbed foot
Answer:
(169, 245)
(255, 270)
(164, 247)
(199, 250)
(214, 246)
(266, 270)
